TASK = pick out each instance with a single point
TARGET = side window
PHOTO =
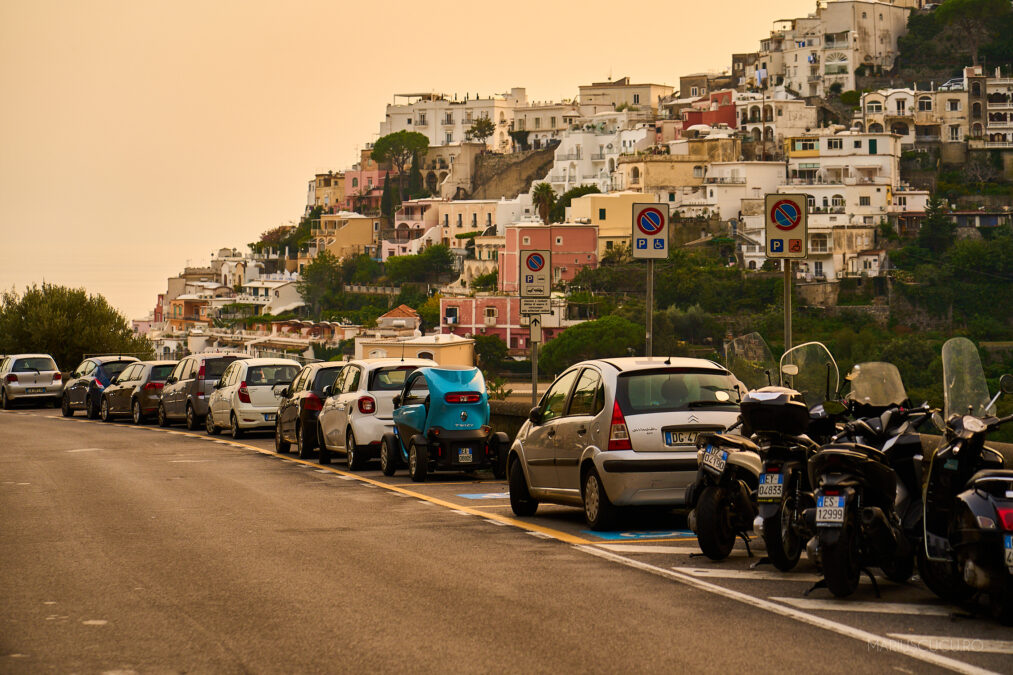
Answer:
(586, 399)
(352, 379)
(191, 371)
(555, 398)
(177, 372)
(89, 368)
(417, 389)
(224, 379)
(299, 383)
(130, 374)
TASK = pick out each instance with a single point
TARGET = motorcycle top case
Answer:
(774, 410)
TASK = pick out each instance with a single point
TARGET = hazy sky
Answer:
(136, 135)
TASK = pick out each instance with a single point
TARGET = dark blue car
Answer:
(84, 387)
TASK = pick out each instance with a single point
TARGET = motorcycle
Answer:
(968, 494)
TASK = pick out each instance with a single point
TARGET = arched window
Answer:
(837, 200)
(924, 103)
(876, 128)
(424, 355)
(635, 176)
(976, 110)
(355, 182)
(976, 131)
(752, 264)
(976, 89)
(873, 107)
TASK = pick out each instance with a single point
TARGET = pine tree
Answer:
(387, 199)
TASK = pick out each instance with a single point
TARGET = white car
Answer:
(33, 378)
(360, 408)
(248, 393)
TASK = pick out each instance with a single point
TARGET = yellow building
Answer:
(622, 92)
(611, 213)
(446, 350)
(345, 234)
(329, 190)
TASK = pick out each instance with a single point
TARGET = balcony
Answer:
(598, 157)
(567, 156)
(489, 321)
(724, 180)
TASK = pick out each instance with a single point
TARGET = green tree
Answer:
(938, 230)
(971, 23)
(429, 312)
(428, 266)
(387, 199)
(485, 282)
(491, 351)
(65, 323)
(608, 336)
(482, 129)
(320, 283)
(360, 269)
(399, 148)
(543, 197)
(416, 186)
(558, 212)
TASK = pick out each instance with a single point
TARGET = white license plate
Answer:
(715, 458)
(680, 438)
(830, 511)
(464, 456)
(1008, 542)
(268, 417)
(771, 487)
(36, 390)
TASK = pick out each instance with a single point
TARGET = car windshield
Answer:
(268, 376)
(668, 389)
(159, 373)
(34, 363)
(213, 368)
(116, 367)
(325, 378)
(390, 378)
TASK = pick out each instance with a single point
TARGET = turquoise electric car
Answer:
(441, 422)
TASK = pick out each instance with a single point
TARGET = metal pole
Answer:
(534, 374)
(650, 307)
(787, 304)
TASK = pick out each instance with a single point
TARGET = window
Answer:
(491, 312)
(954, 133)
(805, 143)
(976, 110)
(449, 118)
(474, 220)
(874, 107)
(864, 201)
(668, 389)
(552, 122)
(636, 98)
(526, 240)
(422, 119)
(446, 220)
(538, 123)
(589, 395)
(460, 219)
(601, 214)
(837, 200)
(835, 143)
(355, 182)
(818, 268)
(858, 145)
(953, 104)
(671, 196)
(554, 401)
(698, 172)
(901, 201)
(451, 314)
(450, 138)
(694, 91)
(559, 241)
(924, 103)
(900, 105)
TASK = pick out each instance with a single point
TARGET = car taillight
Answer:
(200, 372)
(153, 385)
(98, 383)
(1006, 516)
(57, 377)
(463, 397)
(619, 435)
(312, 402)
(244, 393)
(367, 406)
(12, 378)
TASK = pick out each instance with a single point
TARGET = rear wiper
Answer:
(704, 404)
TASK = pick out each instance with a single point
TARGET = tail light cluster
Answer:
(152, 386)
(367, 405)
(57, 377)
(12, 378)
(463, 397)
(619, 435)
(201, 371)
(312, 402)
(244, 393)
(1006, 516)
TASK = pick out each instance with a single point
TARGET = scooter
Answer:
(968, 497)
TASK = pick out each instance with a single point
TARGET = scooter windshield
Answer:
(749, 358)
(816, 378)
(876, 384)
(964, 385)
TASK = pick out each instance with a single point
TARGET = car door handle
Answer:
(551, 433)
(581, 431)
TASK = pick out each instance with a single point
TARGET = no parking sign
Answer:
(787, 227)
(650, 231)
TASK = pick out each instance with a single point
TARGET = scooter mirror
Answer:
(789, 369)
(937, 419)
(1006, 384)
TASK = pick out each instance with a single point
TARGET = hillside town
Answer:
(813, 110)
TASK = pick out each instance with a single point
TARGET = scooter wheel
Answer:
(714, 523)
(840, 557)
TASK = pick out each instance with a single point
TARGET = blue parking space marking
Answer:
(487, 495)
(634, 535)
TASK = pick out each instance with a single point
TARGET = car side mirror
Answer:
(327, 390)
(397, 401)
(535, 415)
(114, 379)
(284, 392)
(217, 384)
(171, 379)
(1006, 384)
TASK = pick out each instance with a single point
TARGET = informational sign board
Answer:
(650, 231)
(535, 306)
(787, 232)
(535, 274)
(536, 330)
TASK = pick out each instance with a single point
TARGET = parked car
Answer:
(616, 432)
(248, 393)
(441, 421)
(301, 403)
(359, 408)
(84, 387)
(136, 391)
(188, 387)
(29, 378)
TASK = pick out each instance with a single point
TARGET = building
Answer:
(415, 227)
(703, 84)
(923, 119)
(772, 116)
(713, 109)
(727, 184)
(457, 219)
(445, 349)
(327, 190)
(449, 170)
(622, 93)
(611, 214)
(573, 247)
(589, 155)
(402, 319)
(990, 101)
(680, 172)
(544, 122)
(344, 234)
(500, 315)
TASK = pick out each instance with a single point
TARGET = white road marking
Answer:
(956, 644)
(85, 450)
(750, 575)
(189, 461)
(868, 638)
(460, 513)
(494, 522)
(820, 605)
(653, 548)
(540, 535)
(346, 477)
(94, 622)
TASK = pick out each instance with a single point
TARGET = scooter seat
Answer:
(994, 474)
(729, 441)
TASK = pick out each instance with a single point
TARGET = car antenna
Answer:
(668, 361)
(402, 352)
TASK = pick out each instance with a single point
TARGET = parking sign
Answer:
(650, 231)
(787, 232)
(535, 274)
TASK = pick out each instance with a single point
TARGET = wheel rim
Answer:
(591, 497)
(277, 436)
(137, 412)
(209, 422)
(189, 418)
(413, 461)
(350, 448)
(235, 426)
(104, 410)
(384, 463)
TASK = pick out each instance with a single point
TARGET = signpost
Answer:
(787, 238)
(535, 282)
(650, 242)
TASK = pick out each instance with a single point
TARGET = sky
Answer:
(137, 137)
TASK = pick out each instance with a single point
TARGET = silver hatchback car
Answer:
(619, 432)
(31, 378)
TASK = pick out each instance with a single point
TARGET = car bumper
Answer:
(33, 392)
(369, 429)
(461, 450)
(256, 418)
(647, 478)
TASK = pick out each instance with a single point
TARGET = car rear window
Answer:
(390, 378)
(213, 368)
(325, 378)
(669, 389)
(160, 373)
(268, 376)
(116, 367)
(33, 363)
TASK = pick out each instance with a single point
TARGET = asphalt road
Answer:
(140, 549)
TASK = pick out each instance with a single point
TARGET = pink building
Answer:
(498, 315)
(412, 221)
(573, 248)
(716, 108)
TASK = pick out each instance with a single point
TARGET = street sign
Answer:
(787, 231)
(535, 306)
(536, 330)
(650, 231)
(535, 274)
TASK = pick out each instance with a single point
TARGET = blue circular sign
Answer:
(786, 215)
(535, 262)
(650, 221)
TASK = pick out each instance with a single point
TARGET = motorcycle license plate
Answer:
(1008, 543)
(36, 390)
(771, 487)
(715, 459)
(464, 456)
(680, 438)
(830, 511)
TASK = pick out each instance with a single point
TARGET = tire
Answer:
(135, 412)
(210, 427)
(65, 406)
(353, 454)
(303, 445)
(899, 569)
(499, 467)
(323, 454)
(599, 511)
(943, 578)
(237, 431)
(521, 501)
(714, 530)
(841, 565)
(191, 419)
(103, 410)
(281, 446)
(163, 420)
(90, 409)
(784, 545)
(418, 462)
(388, 456)
(4, 401)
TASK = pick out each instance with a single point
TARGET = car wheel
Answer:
(324, 456)
(163, 421)
(90, 409)
(210, 427)
(103, 410)
(353, 455)
(388, 456)
(191, 419)
(65, 406)
(418, 462)
(280, 444)
(499, 467)
(135, 412)
(237, 431)
(521, 501)
(303, 445)
(6, 402)
(599, 511)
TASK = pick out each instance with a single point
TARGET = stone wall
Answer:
(818, 293)
(507, 176)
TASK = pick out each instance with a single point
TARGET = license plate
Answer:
(771, 487)
(36, 390)
(715, 459)
(464, 456)
(830, 511)
(680, 438)
(269, 417)
(1008, 542)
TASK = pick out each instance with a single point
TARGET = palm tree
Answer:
(543, 197)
